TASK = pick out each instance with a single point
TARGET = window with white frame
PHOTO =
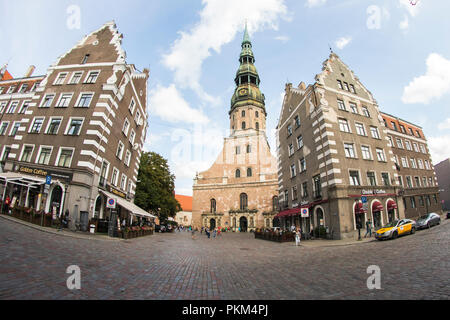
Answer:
(11, 89)
(354, 108)
(374, 132)
(119, 152)
(14, 129)
(76, 77)
(34, 87)
(409, 182)
(366, 112)
(391, 143)
(4, 127)
(399, 143)
(371, 178)
(289, 130)
(36, 125)
(3, 106)
(23, 88)
(60, 78)
(294, 193)
(2, 89)
(137, 118)
(424, 181)
(291, 149)
(427, 165)
(64, 100)
(408, 145)
(380, 155)
(54, 125)
(44, 155)
(430, 182)
(339, 82)
(343, 125)
(416, 147)
(65, 157)
(74, 127)
(127, 158)
(422, 149)
(27, 151)
(360, 130)
(132, 136)
(302, 163)
(114, 177)
(293, 171)
(48, 100)
(6, 152)
(417, 181)
(24, 107)
(300, 142)
(92, 77)
(84, 100)
(366, 154)
(126, 127)
(385, 178)
(420, 163)
(354, 178)
(341, 105)
(404, 162)
(413, 163)
(132, 106)
(12, 107)
(123, 182)
(349, 150)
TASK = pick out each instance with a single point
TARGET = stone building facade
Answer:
(240, 189)
(443, 176)
(83, 124)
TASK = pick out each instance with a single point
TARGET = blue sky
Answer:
(400, 52)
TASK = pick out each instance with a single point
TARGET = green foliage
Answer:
(320, 232)
(156, 187)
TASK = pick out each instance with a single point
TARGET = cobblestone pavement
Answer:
(236, 266)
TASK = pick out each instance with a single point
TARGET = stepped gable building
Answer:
(240, 189)
(73, 138)
(335, 161)
(416, 176)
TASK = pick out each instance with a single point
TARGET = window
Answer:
(3, 106)
(243, 113)
(416, 147)
(44, 155)
(371, 179)
(123, 181)
(402, 128)
(360, 129)
(76, 77)
(317, 185)
(64, 100)
(399, 143)
(341, 105)
(404, 163)
(349, 150)
(413, 163)
(74, 127)
(132, 136)
(257, 125)
(302, 165)
(294, 193)
(408, 145)
(238, 173)
(54, 126)
(92, 77)
(2, 89)
(365, 150)
(12, 107)
(249, 172)
(289, 130)
(297, 121)
(352, 89)
(413, 202)
(65, 158)
(85, 59)
(14, 129)
(137, 117)
(249, 148)
(300, 142)
(37, 125)
(427, 165)
(365, 112)
(354, 108)
(305, 189)
(126, 127)
(34, 87)
(417, 181)
(119, 151)
(420, 163)
(418, 134)
(293, 171)
(354, 178)
(11, 89)
(243, 125)
(24, 107)
(132, 106)
(275, 203)
(422, 149)
(26, 153)
(213, 205)
(60, 79)
(3, 128)
(430, 182)
(47, 102)
(84, 100)
(380, 155)
(385, 178)
(424, 181)
(343, 125)
(291, 149)
(400, 181)
(6, 152)
(256, 114)
(374, 132)
(346, 86)
(339, 82)
(394, 125)
(243, 201)
(23, 88)
(114, 177)
(409, 182)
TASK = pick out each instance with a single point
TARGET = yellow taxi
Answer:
(396, 228)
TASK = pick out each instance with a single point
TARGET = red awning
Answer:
(359, 208)
(377, 206)
(391, 205)
(288, 213)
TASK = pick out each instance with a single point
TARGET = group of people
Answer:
(216, 232)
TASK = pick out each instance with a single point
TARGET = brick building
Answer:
(82, 125)
(240, 189)
(184, 217)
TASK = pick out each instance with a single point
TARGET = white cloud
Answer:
(315, 3)
(444, 125)
(282, 38)
(219, 23)
(433, 85)
(169, 105)
(413, 10)
(439, 148)
(341, 43)
(404, 24)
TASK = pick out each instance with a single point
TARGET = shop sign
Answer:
(46, 173)
(117, 192)
(371, 192)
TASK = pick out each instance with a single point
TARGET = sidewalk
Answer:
(65, 232)
(331, 243)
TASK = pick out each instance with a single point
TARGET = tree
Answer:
(155, 190)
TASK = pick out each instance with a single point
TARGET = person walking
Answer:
(368, 229)
(298, 235)
(214, 233)
(193, 234)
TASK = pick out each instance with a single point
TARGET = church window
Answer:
(256, 114)
(243, 113)
(249, 172)
(243, 125)
(249, 149)
(243, 201)
(213, 205)
(257, 126)
(238, 173)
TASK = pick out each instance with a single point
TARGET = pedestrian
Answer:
(298, 234)
(214, 233)
(368, 229)
(6, 205)
(207, 233)
(193, 234)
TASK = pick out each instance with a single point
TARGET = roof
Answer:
(6, 76)
(185, 202)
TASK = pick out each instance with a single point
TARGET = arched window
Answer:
(243, 113)
(243, 125)
(238, 173)
(243, 201)
(275, 203)
(213, 205)
(249, 172)
(256, 114)
(249, 148)
(257, 126)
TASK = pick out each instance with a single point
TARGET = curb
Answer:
(58, 233)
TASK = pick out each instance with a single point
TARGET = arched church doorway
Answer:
(243, 224)
(212, 224)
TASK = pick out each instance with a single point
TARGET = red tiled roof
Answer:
(185, 202)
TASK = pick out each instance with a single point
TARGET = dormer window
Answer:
(85, 59)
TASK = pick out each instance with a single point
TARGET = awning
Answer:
(391, 205)
(22, 179)
(288, 213)
(129, 206)
(359, 208)
(377, 206)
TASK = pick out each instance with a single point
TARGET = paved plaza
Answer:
(235, 266)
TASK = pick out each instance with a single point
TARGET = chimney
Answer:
(29, 71)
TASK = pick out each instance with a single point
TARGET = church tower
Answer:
(240, 189)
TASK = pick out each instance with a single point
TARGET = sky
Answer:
(399, 51)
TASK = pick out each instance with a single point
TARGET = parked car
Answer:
(428, 220)
(396, 228)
